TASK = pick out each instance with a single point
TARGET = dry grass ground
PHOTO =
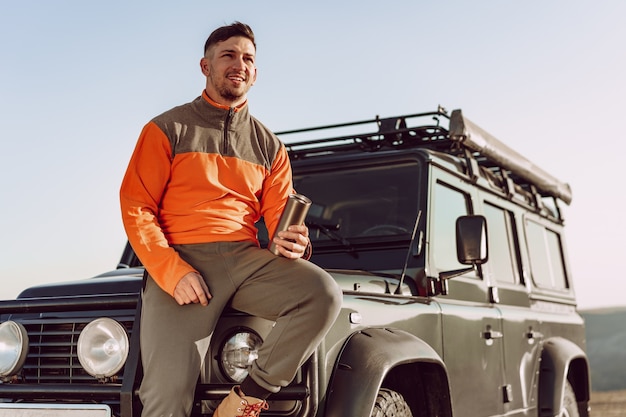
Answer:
(608, 404)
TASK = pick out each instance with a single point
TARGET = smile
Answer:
(237, 78)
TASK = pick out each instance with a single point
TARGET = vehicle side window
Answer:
(546, 257)
(448, 204)
(503, 249)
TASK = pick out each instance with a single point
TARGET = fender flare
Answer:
(559, 355)
(365, 359)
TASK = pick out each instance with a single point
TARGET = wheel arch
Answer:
(562, 361)
(393, 358)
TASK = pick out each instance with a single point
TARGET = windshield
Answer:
(362, 202)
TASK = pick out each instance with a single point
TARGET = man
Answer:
(200, 177)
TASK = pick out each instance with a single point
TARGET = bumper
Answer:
(54, 410)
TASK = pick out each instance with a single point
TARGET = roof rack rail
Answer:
(392, 132)
(461, 137)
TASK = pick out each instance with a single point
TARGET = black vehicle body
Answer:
(458, 297)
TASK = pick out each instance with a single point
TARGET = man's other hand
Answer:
(192, 289)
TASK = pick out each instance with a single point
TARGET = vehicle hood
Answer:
(120, 281)
(129, 280)
(351, 280)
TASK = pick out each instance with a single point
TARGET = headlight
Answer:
(103, 347)
(13, 348)
(238, 353)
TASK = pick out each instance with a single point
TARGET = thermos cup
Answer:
(294, 213)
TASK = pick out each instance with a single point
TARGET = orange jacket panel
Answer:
(200, 174)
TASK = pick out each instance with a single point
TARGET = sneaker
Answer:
(236, 404)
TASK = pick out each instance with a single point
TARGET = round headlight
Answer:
(103, 347)
(13, 348)
(238, 353)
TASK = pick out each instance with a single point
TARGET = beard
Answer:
(228, 92)
(231, 95)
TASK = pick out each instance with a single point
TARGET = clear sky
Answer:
(79, 79)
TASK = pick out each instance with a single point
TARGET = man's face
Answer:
(230, 70)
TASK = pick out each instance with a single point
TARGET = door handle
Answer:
(490, 334)
(531, 335)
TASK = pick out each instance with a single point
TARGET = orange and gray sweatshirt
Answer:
(201, 173)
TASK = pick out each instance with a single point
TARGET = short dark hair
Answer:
(226, 32)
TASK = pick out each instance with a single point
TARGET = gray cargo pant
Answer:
(300, 297)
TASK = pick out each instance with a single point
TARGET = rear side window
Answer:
(546, 257)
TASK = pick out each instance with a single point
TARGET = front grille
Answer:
(52, 356)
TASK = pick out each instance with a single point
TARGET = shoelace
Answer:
(254, 410)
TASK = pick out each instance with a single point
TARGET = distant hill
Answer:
(606, 347)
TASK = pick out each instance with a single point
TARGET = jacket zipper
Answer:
(229, 116)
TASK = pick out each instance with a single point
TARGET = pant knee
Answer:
(327, 295)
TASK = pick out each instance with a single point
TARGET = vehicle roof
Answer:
(452, 138)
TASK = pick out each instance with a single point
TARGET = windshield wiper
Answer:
(330, 232)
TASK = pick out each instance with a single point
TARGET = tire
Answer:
(390, 404)
(570, 406)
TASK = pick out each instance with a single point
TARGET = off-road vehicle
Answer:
(458, 297)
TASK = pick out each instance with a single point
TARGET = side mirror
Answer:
(471, 240)
(471, 249)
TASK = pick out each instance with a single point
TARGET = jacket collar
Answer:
(221, 106)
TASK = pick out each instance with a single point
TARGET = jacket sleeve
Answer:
(276, 188)
(142, 188)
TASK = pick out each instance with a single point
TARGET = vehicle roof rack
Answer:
(462, 138)
(391, 132)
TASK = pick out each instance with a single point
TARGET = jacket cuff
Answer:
(308, 252)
